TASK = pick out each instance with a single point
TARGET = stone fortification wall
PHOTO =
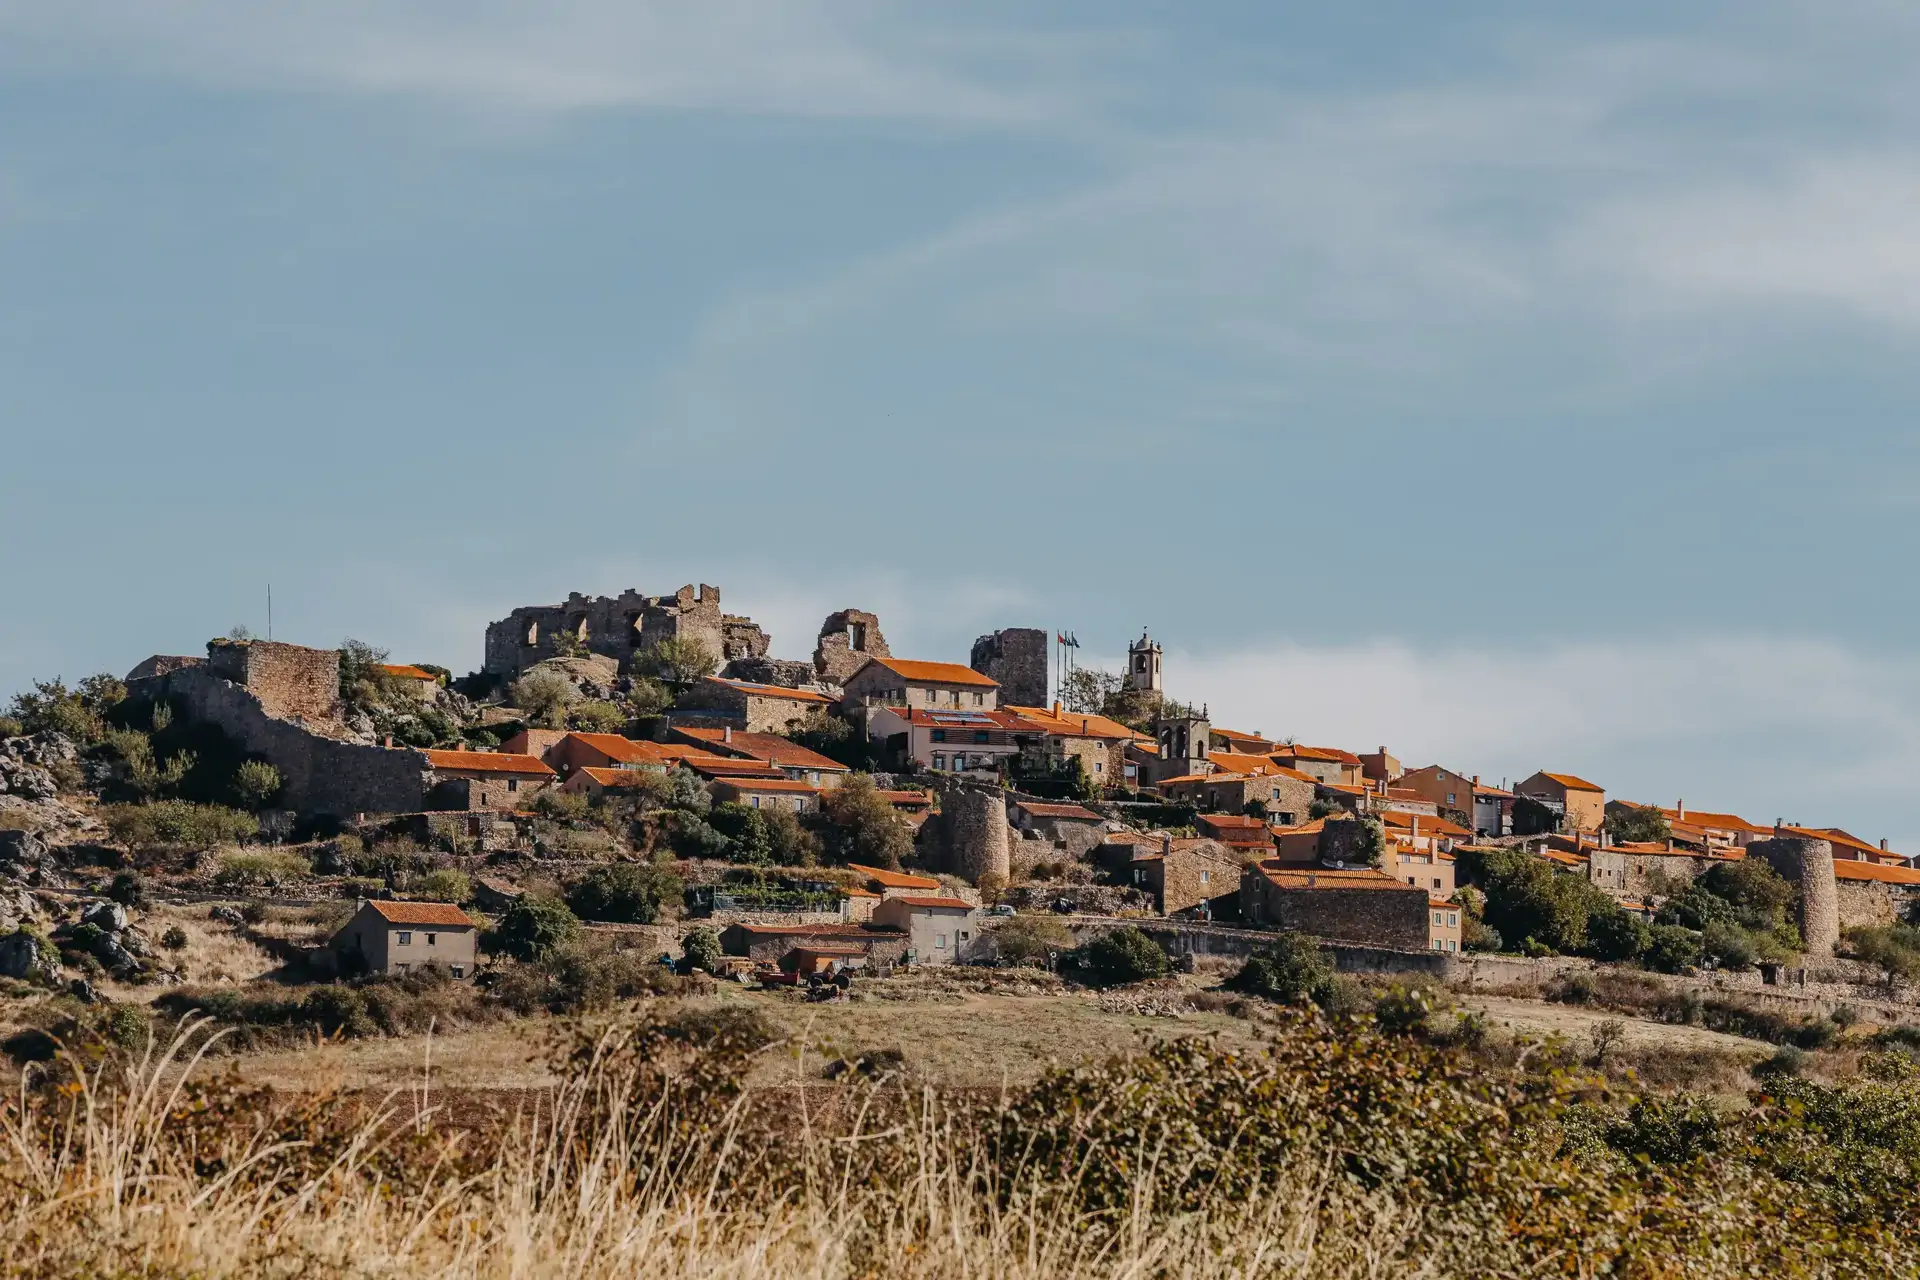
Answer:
(1807, 864)
(1017, 658)
(291, 681)
(847, 639)
(323, 775)
(785, 672)
(1638, 875)
(620, 626)
(977, 826)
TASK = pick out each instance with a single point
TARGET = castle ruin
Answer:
(619, 627)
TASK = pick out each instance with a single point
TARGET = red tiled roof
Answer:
(964, 718)
(1317, 753)
(1570, 782)
(400, 671)
(769, 784)
(909, 799)
(615, 747)
(937, 673)
(489, 762)
(1075, 724)
(771, 690)
(618, 779)
(1886, 873)
(1039, 810)
(421, 913)
(1285, 877)
(770, 747)
(1719, 821)
(714, 767)
(1427, 826)
(959, 904)
(1235, 738)
(1230, 820)
(1834, 835)
(819, 930)
(894, 879)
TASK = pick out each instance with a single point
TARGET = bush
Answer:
(748, 840)
(1403, 1009)
(701, 950)
(677, 661)
(1727, 945)
(789, 843)
(534, 927)
(444, 885)
(692, 836)
(1528, 899)
(560, 806)
(867, 828)
(596, 717)
(1122, 956)
(1671, 948)
(1613, 933)
(177, 824)
(266, 868)
(1893, 949)
(1637, 823)
(256, 783)
(545, 696)
(1292, 970)
(628, 892)
(128, 889)
(1032, 939)
(174, 939)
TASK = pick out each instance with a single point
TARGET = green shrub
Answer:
(177, 824)
(1671, 948)
(596, 717)
(256, 783)
(748, 840)
(534, 927)
(128, 889)
(1031, 939)
(174, 939)
(627, 892)
(1404, 1008)
(1614, 933)
(561, 806)
(1291, 970)
(865, 826)
(701, 949)
(264, 868)
(1121, 956)
(692, 836)
(444, 885)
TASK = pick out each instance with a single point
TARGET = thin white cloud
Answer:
(801, 57)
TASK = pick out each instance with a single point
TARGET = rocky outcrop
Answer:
(24, 955)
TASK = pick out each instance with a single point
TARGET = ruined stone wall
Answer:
(1395, 917)
(619, 626)
(847, 639)
(977, 826)
(292, 682)
(322, 775)
(1807, 864)
(1866, 904)
(785, 672)
(1017, 658)
(1638, 875)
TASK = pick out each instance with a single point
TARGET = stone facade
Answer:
(847, 639)
(787, 673)
(1017, 658)
(322, 774)
(977, 821)
(1635, 874)
(1807, 864)
(1369, 907)
(619, 627)
(1287, 798)
(1197, 879)
(766, 944)
(291, 682)
(751, 708)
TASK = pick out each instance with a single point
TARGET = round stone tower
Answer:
(1807, 864)
(978, 821)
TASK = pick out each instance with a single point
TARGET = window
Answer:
(1449, 797)
(1453, 919)
(753, 801)
(431, 937)
(939, 942)
(459, 971)
(1276, 793)
(1436, 882)
(1439, 917)
(1206, 877)
(979, 699)
(513, 784)
(939, 735)
(404, 938)
(939, 762)
(980, 735)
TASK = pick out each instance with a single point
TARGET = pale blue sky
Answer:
(1515, 385)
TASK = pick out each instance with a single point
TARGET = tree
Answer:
(678, 660)
(596, 717)
(1122, 956)
(445, 884)
(1728, 945)
(1032, 939)
(535, 927)
(868, 828)
(1636, 823)
(789, 843)
(1893, 949)
(700, 949)
(1088, 690)
(1671, 948)
(544, 696)
(646, 698)
(1528, 899)
(363, 680)
(1614, 933)
(748, 840)
(51, 707)
(256, 783)
(1293, 969)
(626, 892)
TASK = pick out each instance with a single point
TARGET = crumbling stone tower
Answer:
(1807, 864)
(847, 639)
(1017, 658)
(292, 682)
(978, 822)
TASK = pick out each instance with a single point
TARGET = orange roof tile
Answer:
(489, 762)
(1285, 877)
(618, 779)
(908, 799)
(1074, 811)
(1570, 782)
(1721, 821)
(959, 904)
(764, 746)
(786, 785)
(937, 673)
(1075, 724)
(615, 747)
(421, 913)
(1884, 872)
(771, 690)
(1441, 902)
(400, 671)
(894, 879)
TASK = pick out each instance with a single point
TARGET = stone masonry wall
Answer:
(1017, 658)
(1808, 865)
(847, 639)
(292, 682)
(619, 626)
(1636, 875)
(322, 775)
(978, 822)
(1373, 917)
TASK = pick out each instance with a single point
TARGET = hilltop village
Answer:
(644, 760)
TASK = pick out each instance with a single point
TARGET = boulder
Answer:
(21, 846)
(82, 990)
(227, 915)
(108, 917)
(28, 781)
(108, 951)
(22, 955)
(330, 860)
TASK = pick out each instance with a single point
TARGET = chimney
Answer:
(1883, 844)
(1476, 779)
(1056, 709)
(726, 734)
(1680, 810)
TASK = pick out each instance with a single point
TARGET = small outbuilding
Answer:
(407, 937)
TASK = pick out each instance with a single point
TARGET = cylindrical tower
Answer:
(979, 826)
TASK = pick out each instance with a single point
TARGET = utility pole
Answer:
(269, 611)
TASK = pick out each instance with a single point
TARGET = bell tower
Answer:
(1143, 666)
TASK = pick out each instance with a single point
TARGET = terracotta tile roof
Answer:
(770, 747)
(1570, 782)
(1075, 724)
(771, 690)
(907, 799)
(1149, 748)
(785, 785)
(1317, 753)
(1313, 828)
(957, 904)
(1564, 859)
(937, 673)
(1285, 877)
(618, 779)
(964, 718)
(1259, 745)
(1236, 762)
(1834, 835)
(400, 671)
(1438, 903)
(861, 893)
(894, 879)
(1197, 777)
(716, 767)
(1884, 872)
(1426, 826)
(615, 747)
(1720, 821)
(1231, 820)
(1348, 788)
(422, 913)
(1074, 811)
(1481, 789)
(818, 930)
(489, 762)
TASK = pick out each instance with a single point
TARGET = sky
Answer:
(1515, 386)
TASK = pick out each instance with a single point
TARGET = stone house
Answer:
(1712, 830)
(1070, 826)
(978, 742)
(485, 779)
(1428, 869)
(1365, 906)
(565, 751)
(1016, 659)
(597, 784)
(897, 884)
(1873, 893)
(767, 943)
(1283, 793)
(1322, 764)
(1846, 846)
(797, 762)
(1192, 878)
(1582, 804)
(897, 682)
(749, 707)
(403, 937)
(1492, 810)
(1443, 924)
(1298, 845)
(1250, 744)
(940, 930)
(768, 793)
(415, 682)
(1097, 742)
(618, 627)
(1237, 831)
